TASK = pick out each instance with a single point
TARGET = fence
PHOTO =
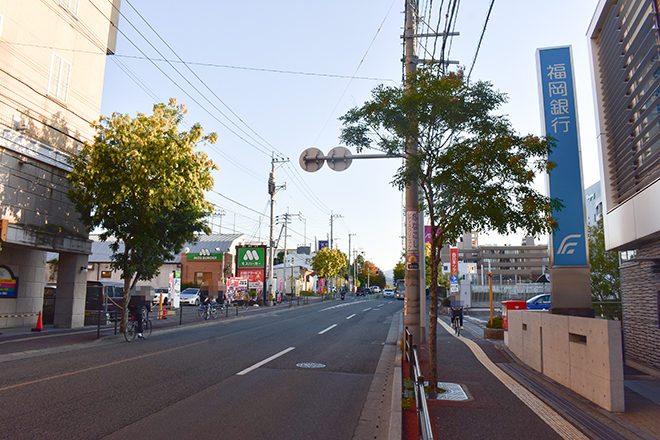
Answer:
(423, 416)
(480, 295)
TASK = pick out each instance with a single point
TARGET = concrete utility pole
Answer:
(412, 306)
(332, 217)
(272, 189)
(350, 286)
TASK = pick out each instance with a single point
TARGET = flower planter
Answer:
(493, 333)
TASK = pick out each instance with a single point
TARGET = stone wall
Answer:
(640, 295)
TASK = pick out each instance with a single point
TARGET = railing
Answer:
(423, 417)
(608, 310)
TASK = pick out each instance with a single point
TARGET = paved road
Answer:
(242, 378)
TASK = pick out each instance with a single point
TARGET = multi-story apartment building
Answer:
(52, 62)
(507, 264)
(626, 66)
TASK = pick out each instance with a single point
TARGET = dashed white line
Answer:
(381, 305)
(328, 329)
(349, 317)
(265, 361)
(366, 310)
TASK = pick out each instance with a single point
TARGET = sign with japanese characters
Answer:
(412, 239)
(453, 269)
(560, 121)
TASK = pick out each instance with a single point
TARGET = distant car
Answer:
(375, 289)
(190, 296)
(539, 302)
(360, 291)
(401, 294)
(388, 293)
(166, 295)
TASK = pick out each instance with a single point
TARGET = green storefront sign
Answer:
(204, 255)
(251, 257)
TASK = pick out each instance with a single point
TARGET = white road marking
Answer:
(366, 310)
(265, 361)
(328, 329)
(560, 425)
(349, 317)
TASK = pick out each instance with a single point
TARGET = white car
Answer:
(388, 293)
(166, 296)
(375, 289)
(190, 296)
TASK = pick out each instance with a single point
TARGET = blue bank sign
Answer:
(560, 121)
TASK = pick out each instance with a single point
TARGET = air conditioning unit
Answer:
(19, 123)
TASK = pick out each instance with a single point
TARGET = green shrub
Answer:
(497, 322)
(306, 293)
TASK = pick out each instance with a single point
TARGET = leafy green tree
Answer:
(474, 172)
(399, 271)
(327, 263)
(371, 275)
(605, 278)
(142, 183)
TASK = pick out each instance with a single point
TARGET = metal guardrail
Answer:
(423, 416)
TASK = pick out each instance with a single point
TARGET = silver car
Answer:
(190, 296)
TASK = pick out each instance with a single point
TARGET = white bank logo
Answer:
(568, 247)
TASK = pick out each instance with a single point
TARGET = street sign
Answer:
(309, 160)
(339, 158)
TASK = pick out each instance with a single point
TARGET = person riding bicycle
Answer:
(457, 313)
(136, 305)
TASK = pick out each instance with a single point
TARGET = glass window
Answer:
(60, 72)
(106, 274)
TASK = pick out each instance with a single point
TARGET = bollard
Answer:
(180, 313)
(98, 327)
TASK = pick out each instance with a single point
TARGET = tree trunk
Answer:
(433, 319)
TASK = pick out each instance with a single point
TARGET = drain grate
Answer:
(452, 392)
(310, 365)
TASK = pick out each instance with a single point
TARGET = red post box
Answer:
(511, 305)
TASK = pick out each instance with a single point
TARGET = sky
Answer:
(272, 79)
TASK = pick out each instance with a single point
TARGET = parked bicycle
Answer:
(132, 328)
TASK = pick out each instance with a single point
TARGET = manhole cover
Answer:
(310, 365)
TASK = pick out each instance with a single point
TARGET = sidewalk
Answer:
(505, 399)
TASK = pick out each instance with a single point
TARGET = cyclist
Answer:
(457, 313)
(136, 305)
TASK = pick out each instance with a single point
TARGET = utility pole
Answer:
(412, 308)
(349, 261)
(332, 217)
(272, 189)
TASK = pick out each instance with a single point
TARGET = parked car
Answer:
(166, 295)
(360, 291)
(190, 296)
(539, 302)
(388, 293)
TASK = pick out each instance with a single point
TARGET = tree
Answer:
(327, 263)
(399, 271)
(475, 173)
(142, 183)
(605, 278)
(371, 275)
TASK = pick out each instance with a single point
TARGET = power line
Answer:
(474, 60)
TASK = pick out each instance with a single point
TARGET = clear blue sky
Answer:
(275, 76)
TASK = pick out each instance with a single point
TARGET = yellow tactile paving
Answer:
(560, 425)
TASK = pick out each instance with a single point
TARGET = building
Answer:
(507, 264)
(207, 263)
(625, 60)
(593, 203)
(52, 62)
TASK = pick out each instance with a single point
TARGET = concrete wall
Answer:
(582, 354)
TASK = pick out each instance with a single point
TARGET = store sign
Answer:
(204, 255)
(251, 257)
(8, 284)
(560, 121)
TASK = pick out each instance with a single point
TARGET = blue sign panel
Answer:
(323, 244)
(453, 279)
(569, 243)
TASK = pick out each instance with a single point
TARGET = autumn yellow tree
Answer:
(142, 184)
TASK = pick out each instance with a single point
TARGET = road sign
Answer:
(312, 159)
(339, 158)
